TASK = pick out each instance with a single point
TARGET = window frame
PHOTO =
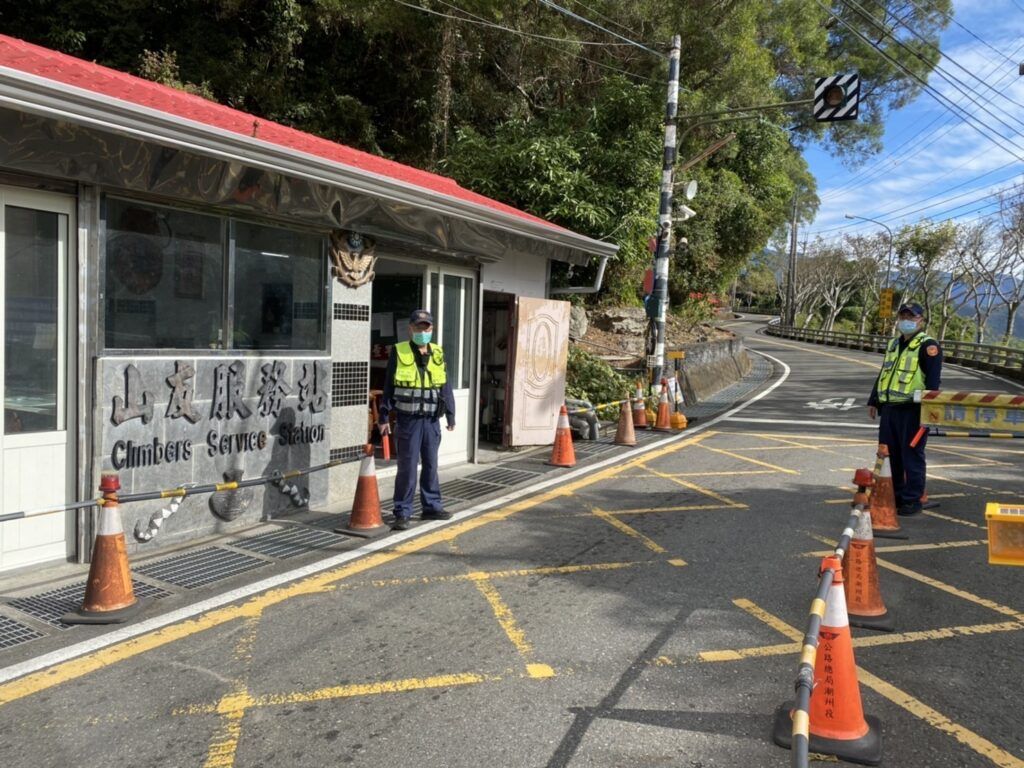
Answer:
(228, 221)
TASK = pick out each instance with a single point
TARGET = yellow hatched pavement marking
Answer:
(512, 629)
(699, 489)
(931, 496)
(550, 570)
(950, 519)
(909, 547)
(684, 508)
(318, 583)
(919, 709)
(646, 475)
(852, 441)
(233, 705)
(613, 521)
(948, 588)
(968, 485)
(749, 460)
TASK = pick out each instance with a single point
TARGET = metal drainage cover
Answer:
(12, 633)
(594, 449)
(468, 488)
(417, 505)
(289, 542)
(502, 476)
(50, 606)
(200, 567)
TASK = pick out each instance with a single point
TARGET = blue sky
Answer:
(933, 164)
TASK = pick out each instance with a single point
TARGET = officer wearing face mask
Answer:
(913, 361)
(418, 390)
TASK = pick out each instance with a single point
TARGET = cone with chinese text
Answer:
(365, 520)
(838, 725)
(562, 453)
(663, 423)
(639, 409)
(109, 594)
(884, 521)
(864, 604)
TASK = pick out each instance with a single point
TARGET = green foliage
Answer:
(590, 378)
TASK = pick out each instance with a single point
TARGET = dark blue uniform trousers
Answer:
(419, 438)
(897, 427)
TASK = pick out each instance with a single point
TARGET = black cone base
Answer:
(884, 623)
(867, 750)
(364, 533)
(120, 616)
(897, 534)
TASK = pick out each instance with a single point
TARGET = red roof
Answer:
(89, 76)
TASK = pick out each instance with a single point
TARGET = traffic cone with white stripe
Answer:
(860, 577)
(625, 434)
(678, 419)
(562, 453)
(365, 520)
(838, 725)
(109, 594)
(884, 521)
(664, 420)
(639, 409)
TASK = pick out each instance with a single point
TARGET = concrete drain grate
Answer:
(13, 633)
(501, 476)
(50, 606)
(289, 542)
(201, 567)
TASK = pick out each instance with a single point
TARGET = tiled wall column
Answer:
(350, 384)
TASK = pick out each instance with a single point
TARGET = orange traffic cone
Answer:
(678, 419)
(625, 435)
(884, 521)
(860, 577)
(365, 519)
(109, 594)
(563, 454)
(664, 421)
(838, 725)
(863, 479)
(639, 409)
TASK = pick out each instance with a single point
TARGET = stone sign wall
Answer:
(167, 421)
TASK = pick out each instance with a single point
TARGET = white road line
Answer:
(126, 633)
(799, 422)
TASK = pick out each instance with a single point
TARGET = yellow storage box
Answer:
(1005, 533)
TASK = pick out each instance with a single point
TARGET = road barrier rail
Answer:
(1007, 361)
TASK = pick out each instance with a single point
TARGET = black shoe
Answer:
(438, 514)
(401, 524)
(906, 510)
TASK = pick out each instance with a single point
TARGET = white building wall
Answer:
(521, 275)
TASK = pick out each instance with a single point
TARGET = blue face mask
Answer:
(907, 326)
(422, 338)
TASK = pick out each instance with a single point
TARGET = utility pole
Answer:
(657, 361)
(790, 318)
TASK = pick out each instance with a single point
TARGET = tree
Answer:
(869, 253)
(1010, 286)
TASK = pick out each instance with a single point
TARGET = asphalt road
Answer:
(645, 613)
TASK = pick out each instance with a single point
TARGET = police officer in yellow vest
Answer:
(418, 390)
(913, 361)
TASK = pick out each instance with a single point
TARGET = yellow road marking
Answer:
(613, 521)
(871, 641)
(83, 665)
(551, 570)
(762, 615)
(952, 452)
(647, 475)
(790, 444)
(931, 496)
(919, 709)
(232, 706)
(967, 485)
(504, 616)
(852, 441)
(962, 594)
(751, 461)
(909, 547)
(699, 489)
(950, 519)
(677, 561)
(684, 508)
(872, 366)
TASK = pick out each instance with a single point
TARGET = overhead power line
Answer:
(595, 25)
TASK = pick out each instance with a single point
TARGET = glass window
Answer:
(455, 328)
(164, 278)
(279, 289)
(32, 348)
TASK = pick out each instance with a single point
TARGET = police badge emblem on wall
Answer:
(352, 258)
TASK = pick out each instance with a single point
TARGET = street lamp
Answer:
(888, 266)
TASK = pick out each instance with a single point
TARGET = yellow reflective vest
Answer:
(901, 372)
(418, 392)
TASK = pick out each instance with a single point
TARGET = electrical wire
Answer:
(610, 20)
(595, 25)
(508, 29)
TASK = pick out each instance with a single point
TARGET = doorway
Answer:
(495, 346)
(37, 316)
